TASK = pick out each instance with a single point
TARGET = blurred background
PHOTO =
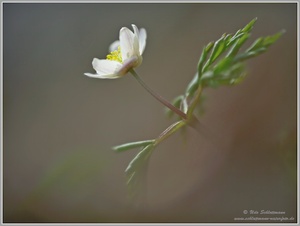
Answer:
(59, 125)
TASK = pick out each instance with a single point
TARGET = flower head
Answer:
(125, 54)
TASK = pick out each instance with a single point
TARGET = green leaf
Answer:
(136, 170)
(203, 57)
(226, 72)
(238, 43)
(207, 75)
(209, 46)
(247, 55)
(233, 76)
(217, 49)
(259, 46)
(201, 62)
(238, 80)
(234, 38)
(227, 38)
(222, 65)
(192, 86)
(229, 70)
(249, 26)
(269, 40)
(256, 44)
(128, 146)
(264, 42)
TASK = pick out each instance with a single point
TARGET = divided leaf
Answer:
(259, 46)
(214, 70)
(136, 170)
(131, 145)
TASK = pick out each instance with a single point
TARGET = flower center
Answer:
(115, 55)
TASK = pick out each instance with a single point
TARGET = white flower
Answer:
(125, 54)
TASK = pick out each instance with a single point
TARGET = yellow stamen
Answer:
(115, 55)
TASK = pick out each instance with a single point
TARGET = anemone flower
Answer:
(125, 54)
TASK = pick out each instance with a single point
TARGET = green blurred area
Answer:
(59, 126)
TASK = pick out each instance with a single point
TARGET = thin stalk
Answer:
(169, 131)
(195, 102)
(158, 97)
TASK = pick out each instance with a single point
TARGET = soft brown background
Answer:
(59, 126)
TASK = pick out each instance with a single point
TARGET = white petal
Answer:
(126, 42)
(112, 76)
(135, 29)
(142, 40)
(129, 44)
(114, 46)
(106, 66)
(136, 39)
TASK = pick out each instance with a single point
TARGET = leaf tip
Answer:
(115, 148)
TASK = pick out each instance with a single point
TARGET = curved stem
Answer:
(158, 97)
(169, 131)
(194, 103)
